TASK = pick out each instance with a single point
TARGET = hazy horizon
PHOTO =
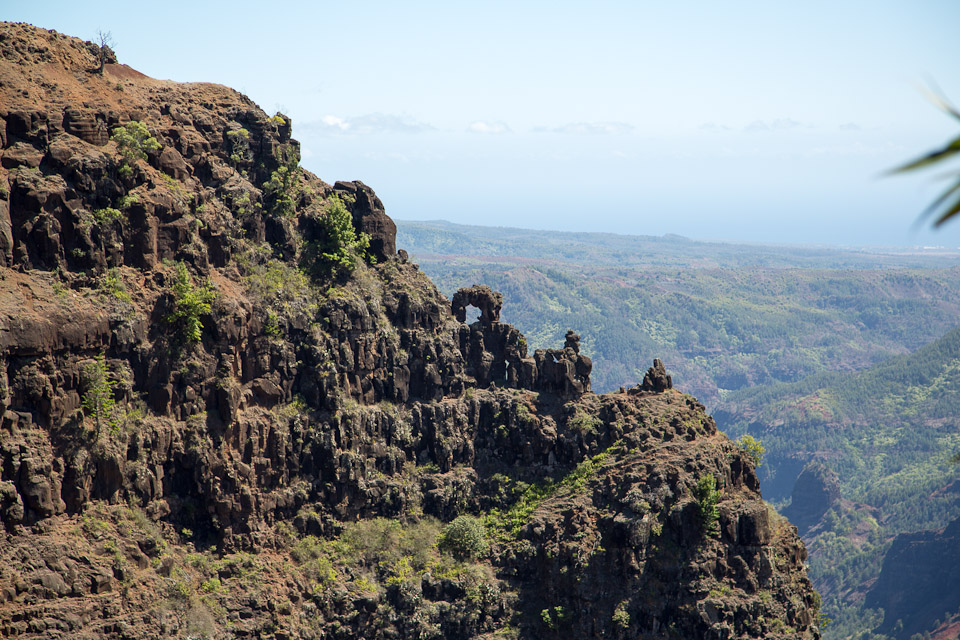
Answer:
(741, 121)
(728, 241)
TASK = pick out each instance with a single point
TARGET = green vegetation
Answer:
(98, 401)
(240, 146)
(107, 216)
(553, 616)
(134, 142)
(111, 283)
(621, 617)
(506, 526)
(583, 422)
(753, 448)
(340, 247)
(707, 496)
(282, 289)
(889, 433)
(282, 189)
(464, 538)
(190, 301)
(127, 201)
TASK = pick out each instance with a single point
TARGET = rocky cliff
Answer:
(918, 584)
(230, 407)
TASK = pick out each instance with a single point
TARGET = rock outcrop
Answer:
(918, 581)
(203, 436)
(656, 378)
(817, 490)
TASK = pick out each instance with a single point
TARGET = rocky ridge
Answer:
(314, 463)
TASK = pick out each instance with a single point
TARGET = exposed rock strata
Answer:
(221, 498)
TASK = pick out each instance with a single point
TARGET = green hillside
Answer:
(889, 433)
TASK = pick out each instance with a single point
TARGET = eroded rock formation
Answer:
(656, 379)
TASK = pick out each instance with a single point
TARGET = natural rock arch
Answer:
(480, 296)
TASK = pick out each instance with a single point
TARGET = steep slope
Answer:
(917, 588)
(232, 408)
(875, 451)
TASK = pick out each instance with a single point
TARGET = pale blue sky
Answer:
(758, 121)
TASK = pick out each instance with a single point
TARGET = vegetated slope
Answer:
(231, 408)
(888, 434)
(723, 322)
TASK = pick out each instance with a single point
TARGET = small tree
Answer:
(340, 245)
(105, 45)
(707, 497)
(464, 538)
(189, 303)
(98, 399)
(283, 188)
(753, 448)
(134, 142)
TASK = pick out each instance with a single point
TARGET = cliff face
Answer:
(918, 583)
(213, 426)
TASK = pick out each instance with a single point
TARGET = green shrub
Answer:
(464, 538)
(340, 246)
(313, 556)
(552, 617)
(125, 202)
(112, 284)
(240, 145)
(134, 142)
(107, 215)
(707, 496)
(98, 399)
(753, 448)
(189, 303)
(621, 617)
(583, 422)
(282, 189)
(211, 586)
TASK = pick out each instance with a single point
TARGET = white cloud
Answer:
(850, 126)
(780, 124)
(366, 124)
(713, 126)
(480, 126)
(588, 128)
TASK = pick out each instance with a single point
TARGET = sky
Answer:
(746, 121)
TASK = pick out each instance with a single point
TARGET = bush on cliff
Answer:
(134, 142)
(464, 538)
(98, 399)
(189, 303)
(282, 189)
(753, 448)
(339, 246)
(707, 496)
